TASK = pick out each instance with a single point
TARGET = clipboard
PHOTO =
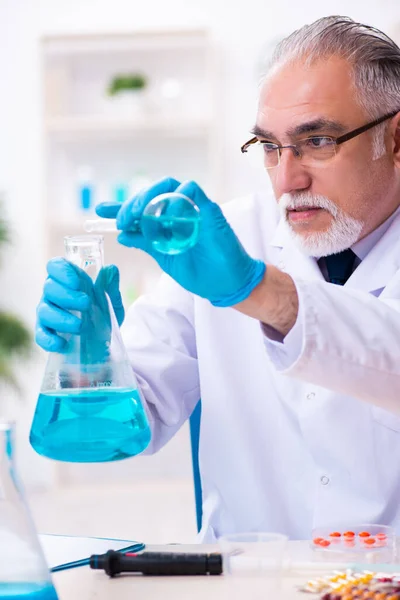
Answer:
(68, 552)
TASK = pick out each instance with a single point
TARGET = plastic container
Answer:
(365, 542)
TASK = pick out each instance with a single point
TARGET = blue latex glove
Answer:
(68, 288)
(217, 267)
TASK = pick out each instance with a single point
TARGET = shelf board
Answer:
(105, 126)
(138, 41)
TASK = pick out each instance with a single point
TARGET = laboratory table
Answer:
(84, 583)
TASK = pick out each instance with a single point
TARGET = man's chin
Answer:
(316, 244)
(308, 232)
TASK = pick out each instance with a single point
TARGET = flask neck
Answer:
(86, 252)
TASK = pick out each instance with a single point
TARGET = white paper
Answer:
(60, 549)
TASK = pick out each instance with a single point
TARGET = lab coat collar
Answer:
(290, 258)
(372, 275)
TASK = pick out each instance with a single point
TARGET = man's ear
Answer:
(395, 139)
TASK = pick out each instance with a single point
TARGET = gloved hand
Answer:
(217, 267)
(69, 288)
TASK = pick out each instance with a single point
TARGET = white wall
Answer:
(241, 29)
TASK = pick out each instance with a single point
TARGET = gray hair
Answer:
(374, 57)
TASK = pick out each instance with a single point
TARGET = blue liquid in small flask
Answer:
(24, 574)
(89, 408)
(170, 222)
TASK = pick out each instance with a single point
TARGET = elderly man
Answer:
(287, 329)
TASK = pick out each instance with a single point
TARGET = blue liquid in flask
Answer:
(171, 235)
(27, 591)
(90, 425)
(89, 408)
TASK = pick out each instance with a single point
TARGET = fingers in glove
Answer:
(108, 281)
(108, 210)
(59, 320)
(49, 340)
(65, 297)
(69, 275)
(133, 209)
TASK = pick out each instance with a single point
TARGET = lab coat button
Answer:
(310, 396)
(324, 480)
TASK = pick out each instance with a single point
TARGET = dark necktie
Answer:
(340, 266)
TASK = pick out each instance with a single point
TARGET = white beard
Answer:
(342, 234)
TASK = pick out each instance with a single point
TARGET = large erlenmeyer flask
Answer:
(89, 408)
(23, 570)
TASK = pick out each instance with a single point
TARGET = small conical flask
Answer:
(89, 408)
(23, 570)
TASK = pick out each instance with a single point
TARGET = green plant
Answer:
(121, 83)
(15, 339)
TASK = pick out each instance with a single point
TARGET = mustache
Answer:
(306, 199)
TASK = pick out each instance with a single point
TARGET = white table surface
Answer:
(84, 583)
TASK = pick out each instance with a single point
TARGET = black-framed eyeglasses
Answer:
(311, 150)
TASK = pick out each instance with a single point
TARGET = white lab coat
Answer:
(293, 435)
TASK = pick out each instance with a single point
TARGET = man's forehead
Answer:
(296, 92)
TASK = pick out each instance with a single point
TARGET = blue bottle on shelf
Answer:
(85, 188)
(120, 193)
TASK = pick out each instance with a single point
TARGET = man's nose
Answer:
(290, 175)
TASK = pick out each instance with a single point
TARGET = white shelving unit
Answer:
(173, 132)
(70, 128)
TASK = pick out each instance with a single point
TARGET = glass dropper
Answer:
(100, 225)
